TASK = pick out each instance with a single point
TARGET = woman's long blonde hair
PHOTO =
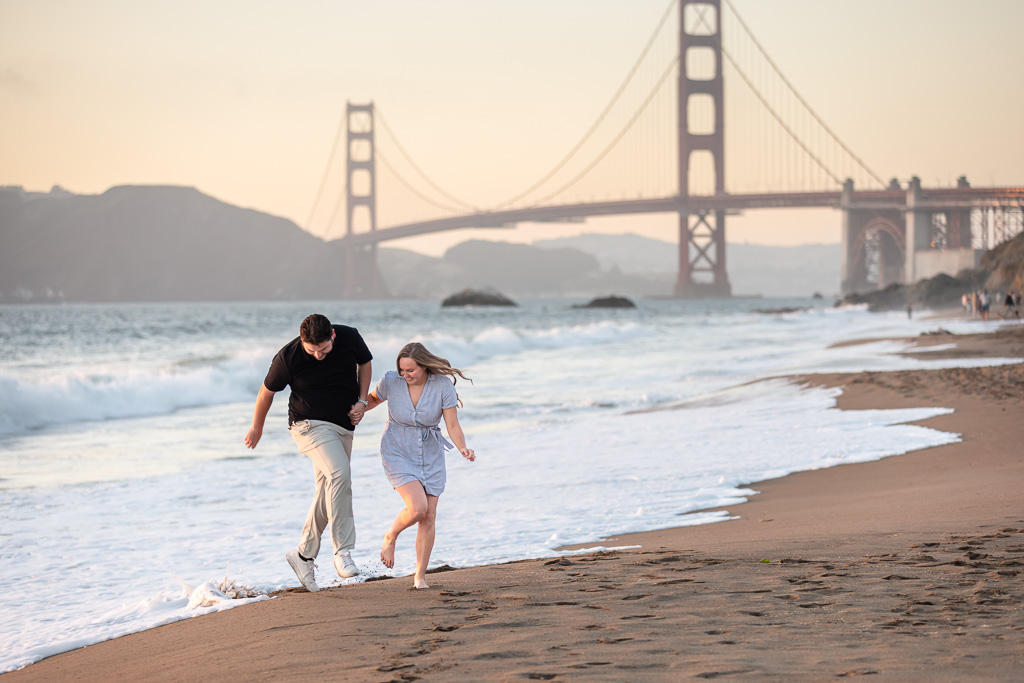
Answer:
(418, 353)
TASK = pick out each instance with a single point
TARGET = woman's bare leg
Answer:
(425, 543)
(415, 509)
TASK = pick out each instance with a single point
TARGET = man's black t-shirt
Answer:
(321, 389)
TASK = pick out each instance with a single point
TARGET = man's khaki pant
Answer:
(330, 448)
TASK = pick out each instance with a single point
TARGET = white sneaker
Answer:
(344, 564)
(303, 569)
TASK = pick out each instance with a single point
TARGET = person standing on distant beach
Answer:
(412, 450)
(328, 369)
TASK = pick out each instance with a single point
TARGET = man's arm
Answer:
(364, 373)
(263, 402)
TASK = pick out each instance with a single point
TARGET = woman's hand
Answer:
(468, 453)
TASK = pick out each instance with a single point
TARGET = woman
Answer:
(412, 448)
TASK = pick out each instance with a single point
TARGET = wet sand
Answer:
(907, 568)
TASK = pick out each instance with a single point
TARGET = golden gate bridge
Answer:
(659, 146)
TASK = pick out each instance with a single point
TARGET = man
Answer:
(328, 369)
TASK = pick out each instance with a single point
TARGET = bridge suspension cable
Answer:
(408, 186)
(334, 212)
(401, 149)
(630, 78)
(600, 119)
(799, 97)
(782, 123)
(654, 91)
(323, 180)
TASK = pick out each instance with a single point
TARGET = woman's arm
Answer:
(451, 421)
(374, 401)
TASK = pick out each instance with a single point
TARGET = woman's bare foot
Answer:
(419, 583)
(387, 551)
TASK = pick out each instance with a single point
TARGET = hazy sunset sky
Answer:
(242, 100)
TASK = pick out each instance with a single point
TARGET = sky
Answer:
(242, 99)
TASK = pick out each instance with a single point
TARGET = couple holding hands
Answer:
(328, 368)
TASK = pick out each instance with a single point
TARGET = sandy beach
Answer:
(907, 568)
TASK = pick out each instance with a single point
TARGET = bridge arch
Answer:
(879, 253)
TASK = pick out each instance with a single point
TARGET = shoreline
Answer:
(908, 566)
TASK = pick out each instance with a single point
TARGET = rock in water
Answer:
(476, 297)
(608, 302)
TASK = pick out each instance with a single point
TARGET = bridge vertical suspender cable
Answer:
(401, 149)
(600, 118)
(323, 180)
(671, 5)
(337, 207)
(387, 164)
(793, 90)
(654, 91)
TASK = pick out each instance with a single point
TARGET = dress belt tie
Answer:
(427, 432)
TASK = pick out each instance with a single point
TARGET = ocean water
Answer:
(127, 498)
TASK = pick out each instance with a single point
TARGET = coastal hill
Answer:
(155, 244)
(163, 243)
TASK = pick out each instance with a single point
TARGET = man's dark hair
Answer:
(315, 329)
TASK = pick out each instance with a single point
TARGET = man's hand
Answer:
(252, 437)
(355, 414)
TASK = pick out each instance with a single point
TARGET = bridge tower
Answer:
(873, 245)
(701, 234)
(362, 277)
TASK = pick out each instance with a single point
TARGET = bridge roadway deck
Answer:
(931, 199)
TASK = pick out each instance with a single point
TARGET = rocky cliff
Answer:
(1000, 270)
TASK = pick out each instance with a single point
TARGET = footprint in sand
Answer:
(561, 562)
(502, 655)
(718, 674)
